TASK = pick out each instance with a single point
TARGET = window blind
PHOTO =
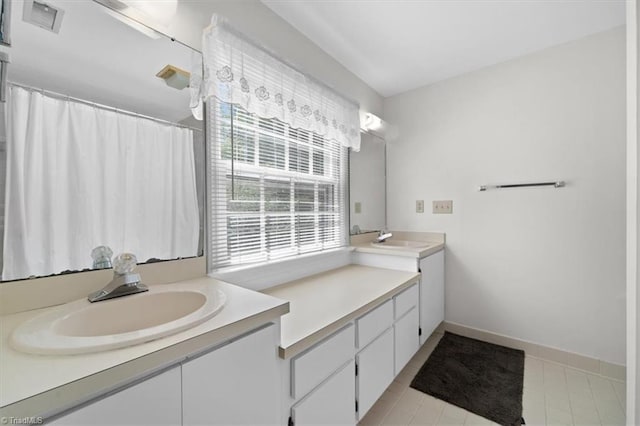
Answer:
(276, 191)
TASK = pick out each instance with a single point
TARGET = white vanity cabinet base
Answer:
(431, 284)
(431, 294)
(313, 366)
(375, 371)
(155, 401)
(332, 403)
(407, 341)
(236, 384)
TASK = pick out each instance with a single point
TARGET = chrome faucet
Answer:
(382, 236)
(124, 281)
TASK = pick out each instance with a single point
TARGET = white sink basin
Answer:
(83, 327)
(403, 244)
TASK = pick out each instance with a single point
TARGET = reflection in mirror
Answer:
(98, 150)
(367, 180)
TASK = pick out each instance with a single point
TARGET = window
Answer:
(277, 191)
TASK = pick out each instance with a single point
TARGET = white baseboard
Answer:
(581, 362)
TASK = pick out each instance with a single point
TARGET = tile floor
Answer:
(553, 395)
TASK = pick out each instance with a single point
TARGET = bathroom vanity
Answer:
(336, 339)
(421, 252)
(349, 333)
(214, 385)
(228, 360)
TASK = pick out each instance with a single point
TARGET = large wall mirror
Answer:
(367, 185)
(99, 146)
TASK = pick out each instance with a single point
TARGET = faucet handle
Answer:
(125, 263)
(101, 256)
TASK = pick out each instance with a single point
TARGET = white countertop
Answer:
(362, 244)
(323, 303)
(32, 385)
(396, 251)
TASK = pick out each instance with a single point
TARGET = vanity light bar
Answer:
(557, 184)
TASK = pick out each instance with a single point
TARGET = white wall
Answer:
(633, 218)
(262, 25)
(541, 264)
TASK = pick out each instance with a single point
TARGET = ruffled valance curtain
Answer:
(237, 71)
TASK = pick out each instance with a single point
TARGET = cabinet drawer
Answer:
(317, 363)
(331, 403)
(406, 300)
(374, 323)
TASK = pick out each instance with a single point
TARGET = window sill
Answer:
(269, 274)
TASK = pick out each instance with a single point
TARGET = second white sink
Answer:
(83, 327)
(403, 244)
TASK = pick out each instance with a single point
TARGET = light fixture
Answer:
(162, 12)
(372, 122)
(174, 77)
(143, 15)
(373, 125)
(134, 24)
(42, 15)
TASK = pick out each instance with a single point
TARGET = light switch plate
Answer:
(443, 207)
(419, 206)
(358, 207)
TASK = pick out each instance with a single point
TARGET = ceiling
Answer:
(399, 45)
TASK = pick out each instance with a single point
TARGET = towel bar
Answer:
(557, 184)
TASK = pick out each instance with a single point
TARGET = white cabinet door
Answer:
(407, 340)
(431, 294)
(331, 403)
(375, 371)
(236, 384)
(155, 401)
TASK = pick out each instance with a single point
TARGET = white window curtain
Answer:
(79, 176)
(240, 72)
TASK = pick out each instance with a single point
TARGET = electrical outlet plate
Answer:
(358, 207)
(443, 207)
(419, 206)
